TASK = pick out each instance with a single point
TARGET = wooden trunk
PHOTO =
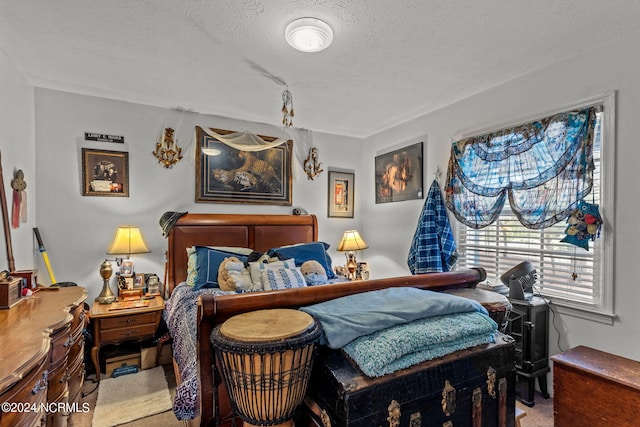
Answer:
(473, 387)
(594, 388)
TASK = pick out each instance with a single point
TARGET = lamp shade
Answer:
(128, 240)
(351, 241)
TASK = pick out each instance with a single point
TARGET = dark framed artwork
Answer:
(399, 174)
(341, 194)
(105, 173)
(235, 176)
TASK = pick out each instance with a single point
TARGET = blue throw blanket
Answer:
(404, 345)
(347, 318)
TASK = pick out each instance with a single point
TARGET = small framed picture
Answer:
(126, 268)
(138, 281)
(341, 194)
(128, 282)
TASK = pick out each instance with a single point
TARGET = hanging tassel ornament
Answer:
(287, 109)
(19, 205)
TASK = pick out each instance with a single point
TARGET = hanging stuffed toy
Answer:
(584, 225)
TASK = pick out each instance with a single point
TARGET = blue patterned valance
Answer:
(545, 167)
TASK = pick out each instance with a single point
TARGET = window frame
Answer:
(602, 309)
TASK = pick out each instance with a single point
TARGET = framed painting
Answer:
(234, 176)
(105, 173)
(399, 174)
(341, 194)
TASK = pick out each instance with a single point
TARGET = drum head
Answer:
(266, 325)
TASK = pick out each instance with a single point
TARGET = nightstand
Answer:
(114, 326)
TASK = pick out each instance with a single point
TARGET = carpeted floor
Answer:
(540, 415)
(164, 419)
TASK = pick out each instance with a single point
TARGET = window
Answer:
(568, 275)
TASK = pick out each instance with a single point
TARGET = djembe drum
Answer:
(266, 358)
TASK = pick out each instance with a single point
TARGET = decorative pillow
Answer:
(302, 252)
(192, 260)
(203, 265)
(234, 276)
(282, 278)
(256, 268)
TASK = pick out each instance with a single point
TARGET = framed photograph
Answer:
(126, 268)
(399, 174)
(138, 281)
(105, 173)
(234, 176)
(128, 282)
(341, 194)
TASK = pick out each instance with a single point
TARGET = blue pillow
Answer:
(316, 251)
(208, 262)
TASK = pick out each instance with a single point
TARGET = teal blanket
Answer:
(347, 318)
(404, 345)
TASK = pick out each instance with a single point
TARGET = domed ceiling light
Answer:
(309, 35)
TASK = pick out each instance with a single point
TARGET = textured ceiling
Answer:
(391, 60)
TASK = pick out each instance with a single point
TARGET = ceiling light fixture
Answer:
(309, 35)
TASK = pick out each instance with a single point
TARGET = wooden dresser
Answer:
(594, 388)
(42, 357)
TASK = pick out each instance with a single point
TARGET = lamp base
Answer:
(106, 296)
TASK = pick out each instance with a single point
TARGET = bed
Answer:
(260, 233)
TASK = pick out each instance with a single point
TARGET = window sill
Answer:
(592, 314)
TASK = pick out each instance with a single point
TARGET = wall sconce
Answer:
(350, 243)
(167, 151)
(127, 240)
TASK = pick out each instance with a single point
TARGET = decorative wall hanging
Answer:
(584, 225)
(255, 175)
(19, 205)
(341, 194)
(544, 167)
(399, 174)
(105, 173)
(167, 151)
(287, 109)
(311, 165)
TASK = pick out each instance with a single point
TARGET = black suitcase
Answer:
(469, 388)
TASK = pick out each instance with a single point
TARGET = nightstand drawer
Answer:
(131, 320)
(132, 332)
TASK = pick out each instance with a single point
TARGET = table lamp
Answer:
(350, 243)
(127, 240)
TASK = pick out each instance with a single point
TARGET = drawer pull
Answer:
(67, 343)
(41, 384)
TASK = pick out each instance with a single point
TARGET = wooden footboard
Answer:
(213, 310)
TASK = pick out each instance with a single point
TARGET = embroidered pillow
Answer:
(282, 278)
(302, 252)
(256, 268)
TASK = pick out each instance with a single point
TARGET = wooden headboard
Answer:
(258, 232)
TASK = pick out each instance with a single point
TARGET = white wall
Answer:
(17, 146)
(614, 66)
(77, 229)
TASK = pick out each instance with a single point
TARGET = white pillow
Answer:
(282, 278)
(256, 269)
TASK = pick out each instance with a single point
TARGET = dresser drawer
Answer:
(76, 378)
(132, 332)
(126, 321)
(60, 342)
(57, 383)
(76, 349)
(32, 389)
